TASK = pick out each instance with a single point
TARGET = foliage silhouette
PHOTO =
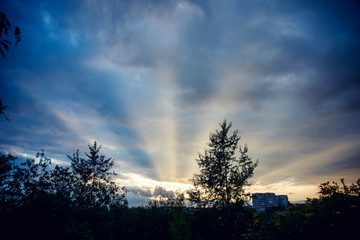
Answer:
(39, 201)
(5, 29)
(3, 107)
(334, 215)
(91, 185)
(222, 174)
(56, 202)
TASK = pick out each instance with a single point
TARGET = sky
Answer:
(150, 80)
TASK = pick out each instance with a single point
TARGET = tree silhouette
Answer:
(92, 186)
(59, 202)
(3, 107)
(6, 166)
(5, 29)
(334, 215)
(223, 175)
(85, 185)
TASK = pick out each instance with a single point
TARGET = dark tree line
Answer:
(85, 184)
(80, 201)
(45, 200)
(334, 215)
(42, 201)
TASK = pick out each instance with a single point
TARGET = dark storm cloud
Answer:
(217, 38)
(323, 56)
(141, 196)
(140, 157)
(143, 193)
(222, 40)
(161, 191)
(30, 119)
(335, 86)
(50, 77)
(343, 164)
(351, 162)
(197, 81)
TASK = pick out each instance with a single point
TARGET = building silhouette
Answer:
(265, 201)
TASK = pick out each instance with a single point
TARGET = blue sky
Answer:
(149, 80)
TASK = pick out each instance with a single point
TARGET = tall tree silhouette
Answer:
(86, 184)
(92, 185)
(222, 174)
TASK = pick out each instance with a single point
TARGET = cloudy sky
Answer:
(149, 80)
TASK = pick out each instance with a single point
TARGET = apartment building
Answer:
(264, 201)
